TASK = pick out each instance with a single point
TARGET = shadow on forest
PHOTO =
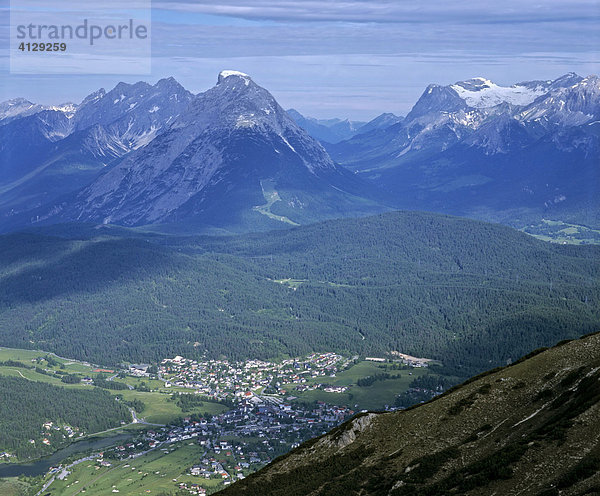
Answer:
(54, 267)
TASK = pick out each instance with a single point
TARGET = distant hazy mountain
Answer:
(528, 429)
(336, 130)
(327, 130)
(232, 159)
(382, 121)
(18, 107)
(475, 148)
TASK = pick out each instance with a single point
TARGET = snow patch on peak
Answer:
(591, 80)
(225, 74)
(68, 109)
(483, 93)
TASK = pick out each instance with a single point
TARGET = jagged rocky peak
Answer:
(18, 107)
(168, 82)
(437, 98)
(142, 109)
(482, 94)
(17, 102)
(96, 95)
(575, 104)
(565, 81)
(222, 145)
(236, 101)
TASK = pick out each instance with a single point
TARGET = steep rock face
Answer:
(49, 152)
(130, 115)
(232, 149)
(530, 429)
(436, 98)
(574, 105)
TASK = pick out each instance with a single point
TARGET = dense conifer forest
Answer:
(471, 294)
(27, 405)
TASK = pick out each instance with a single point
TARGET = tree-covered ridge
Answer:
(468, 293)
(27, 405)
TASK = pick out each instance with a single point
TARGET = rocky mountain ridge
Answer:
(528, 429)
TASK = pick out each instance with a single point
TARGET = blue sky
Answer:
(345, 58)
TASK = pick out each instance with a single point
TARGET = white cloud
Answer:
(392, 10)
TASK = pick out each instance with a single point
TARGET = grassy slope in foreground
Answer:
(529, 429)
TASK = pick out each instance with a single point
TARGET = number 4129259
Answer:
(43, 47)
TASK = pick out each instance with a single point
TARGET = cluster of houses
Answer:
(139, 370)
(192, 488)
(50, 429)
(67, 429)
(237, 442)
(221, 379)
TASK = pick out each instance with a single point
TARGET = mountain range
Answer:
(512, 154)
(529, 429)
(56, 151)
(231, 159)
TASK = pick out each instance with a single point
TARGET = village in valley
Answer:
(221, 379)
(233, 444)
(266, 417)
(233, 417)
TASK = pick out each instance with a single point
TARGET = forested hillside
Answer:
(27, 405)
(468, 293)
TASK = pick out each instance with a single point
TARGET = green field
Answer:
(26, 357)
(563, 233)
(161, 410)
(152, 384)
(13, 487)
(373, 397)
(151, 473)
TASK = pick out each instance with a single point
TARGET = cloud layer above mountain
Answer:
(354, 58)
